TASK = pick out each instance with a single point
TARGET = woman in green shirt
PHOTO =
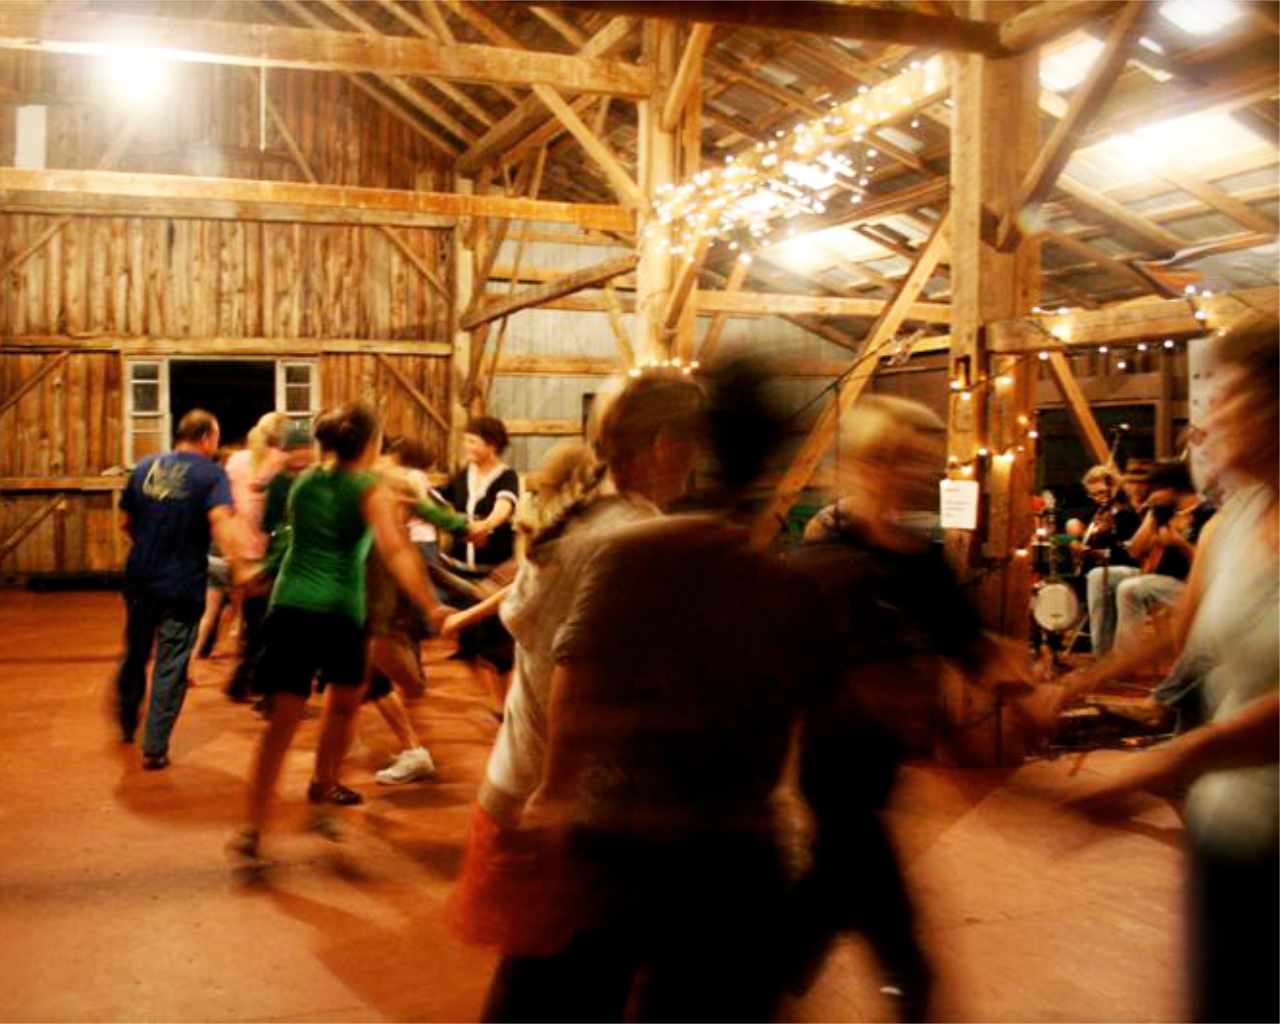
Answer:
(315, 627)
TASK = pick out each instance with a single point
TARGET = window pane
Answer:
(297, 399)
(145, 371)
(146, 396)
(297, 374)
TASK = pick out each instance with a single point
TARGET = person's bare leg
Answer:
(340, 708)
(394, 714)
(396, 657)
(271, 750)
(212, 611)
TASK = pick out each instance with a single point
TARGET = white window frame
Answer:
(163, 417)
(282, 405)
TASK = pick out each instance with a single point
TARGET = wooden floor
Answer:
(117, 903)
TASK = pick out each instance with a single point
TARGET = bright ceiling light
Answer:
(810, 175)
(136, 75)
(1066, 67)
(1201, 17)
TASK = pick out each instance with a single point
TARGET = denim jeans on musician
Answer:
(1101, 591)
(171, 630)
(1138, 597)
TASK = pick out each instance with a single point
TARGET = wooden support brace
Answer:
(427, 405)
(567, 284)
(627, 190)
(687, 75)
(20, 532)
(1085, 104)
(1078, 407)
(626, 353)
(46, 368)
(824, 431)
(711, 340)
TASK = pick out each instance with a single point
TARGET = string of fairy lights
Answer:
(798, 171)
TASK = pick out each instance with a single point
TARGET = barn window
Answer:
(147, 426)
(296, 393)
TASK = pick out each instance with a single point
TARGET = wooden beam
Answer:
(63, 29)
(134, 346)
(1086, 101)
(1163, 241)
(1101, 258)
(1078, 407)
(531, 114)
(29, 484)
(776, 304)
(619, 179)
(626, 353)
(416, 261)
(109, 193)
(824, 431)
(1047, 21)
(46, 368)
(1216, 199)
(542, 428)
(687, 75)
(427, 405)
(711, 340)
(588, 277)
(20, 532)
(824, 19)
(556, 366)
(1127, 322)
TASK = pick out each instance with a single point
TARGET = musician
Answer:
(1165, 543)
(1102, 554)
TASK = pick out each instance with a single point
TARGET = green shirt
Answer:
(324, 567)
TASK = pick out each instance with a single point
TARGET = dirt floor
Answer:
(117, 901)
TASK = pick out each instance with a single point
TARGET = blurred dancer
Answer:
(1228, 616)
(576, 498)
(894, 612)
(671, 706)
(250, 471)
(315, 625)
(173, 504)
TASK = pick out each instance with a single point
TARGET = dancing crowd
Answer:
(660, 685)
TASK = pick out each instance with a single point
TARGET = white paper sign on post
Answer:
(959, 509)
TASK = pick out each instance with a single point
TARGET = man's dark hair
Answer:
(1172, 475)
(347, 430)
(489, 429)
(195, 426)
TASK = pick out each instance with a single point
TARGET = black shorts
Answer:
(300, 645)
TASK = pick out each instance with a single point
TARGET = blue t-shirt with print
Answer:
(168, 500)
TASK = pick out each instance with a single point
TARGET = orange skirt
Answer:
(517, 891)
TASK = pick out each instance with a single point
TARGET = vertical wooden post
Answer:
(656, 167)
(994, 141)
(464, 260)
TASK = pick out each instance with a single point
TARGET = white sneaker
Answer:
(410, 766)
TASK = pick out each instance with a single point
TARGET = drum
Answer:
(1055, 607)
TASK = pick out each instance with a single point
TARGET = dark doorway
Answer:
(236, 391)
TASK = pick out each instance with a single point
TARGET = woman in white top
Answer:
(1230, 618)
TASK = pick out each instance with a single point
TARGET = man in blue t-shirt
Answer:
(174, 503)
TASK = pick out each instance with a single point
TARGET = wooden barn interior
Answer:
(1026, 215)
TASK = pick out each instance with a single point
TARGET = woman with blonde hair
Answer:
(251, 471)
(577, 498)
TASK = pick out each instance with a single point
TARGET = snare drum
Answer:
(1055, 606)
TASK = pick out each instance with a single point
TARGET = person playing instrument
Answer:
(1102, 554)
(1165, 543)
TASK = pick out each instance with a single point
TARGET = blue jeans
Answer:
(1101, 590)
(171, 630)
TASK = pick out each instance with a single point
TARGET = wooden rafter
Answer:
(715, 331)
(1085, 104)
(168, 195)
(688, 73)
(56, 30)
(1078, 408)
(622, 182)
(1047, 21)
(775, 304)
(825, 19)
